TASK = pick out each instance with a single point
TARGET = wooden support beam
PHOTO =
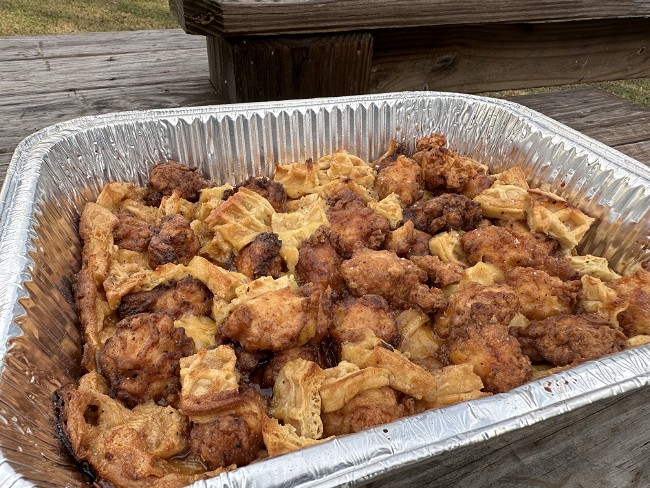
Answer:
(276, 68)
(253, 17)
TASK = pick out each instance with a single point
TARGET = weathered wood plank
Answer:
(603, 445)
(34, 76)
(279, 68)
(252, 17)
(34, 112)
(480, 58)
(638, 150)
(96, 44)
(594, 112)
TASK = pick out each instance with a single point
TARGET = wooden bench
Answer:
(307, 48)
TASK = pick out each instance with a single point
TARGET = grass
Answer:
(36, 17)
(637, 91)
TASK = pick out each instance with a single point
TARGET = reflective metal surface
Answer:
(55, 171)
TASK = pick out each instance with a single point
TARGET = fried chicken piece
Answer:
(476, 332)
(569, 339)
(635, 289)
(540, 294)
(352, 316)
(227, 440)
(279, 319)
(319, 261)
(141, 360)
(440, 273)
(407, 241)
(477, 185)
(355, 223)
(174, 242)
(131, 232)
(445, 212)
(442, 168)
(165, 178)
(261, 257)
(396, 279)
(402, 177)
(507, 249)
(273, 191)
(174, 299)
(309, 353)
(371, 407)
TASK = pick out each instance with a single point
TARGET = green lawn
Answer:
(34, 17)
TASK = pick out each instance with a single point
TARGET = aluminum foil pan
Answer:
(55, 171)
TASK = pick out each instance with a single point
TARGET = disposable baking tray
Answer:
(55, 171)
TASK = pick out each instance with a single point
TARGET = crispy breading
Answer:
(352, 316)
(165, 178)
(273, 191)
(369, 408)
(635, 289)
(355, 223)
(477, 324)
(443, 168)
(176, 298)
(407, 241)
(396, 279)
(570, 339)
(227, 440)
(135, 448)
(319, 261)
(445, 212)
(510, 247)
(173, 242)
(261, 257)
(402, 177)
(275, 320)
(141, 361)
(440, 273)
(131, 232)
(478, 304)
(476, 186)
(540, 294)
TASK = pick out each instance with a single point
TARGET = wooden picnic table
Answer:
(49, 79)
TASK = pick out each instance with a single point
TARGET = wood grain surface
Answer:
(280, 68)
(606, 444)
(253, 17)
(496, 57)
